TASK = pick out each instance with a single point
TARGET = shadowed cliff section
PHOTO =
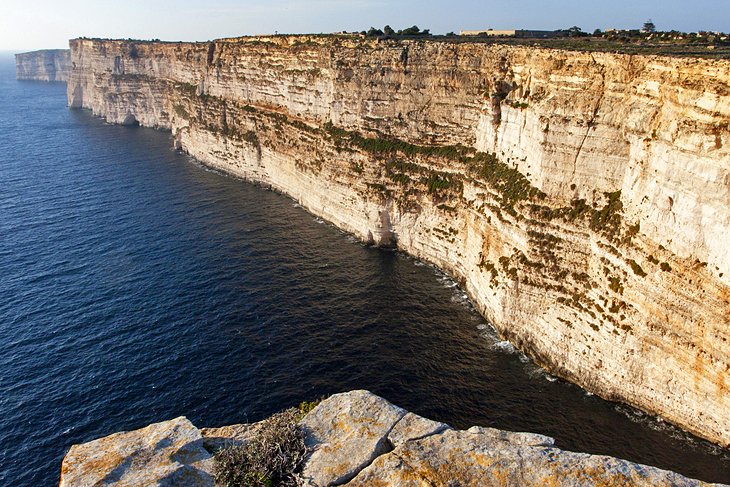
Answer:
(579, 198)
(44, 65)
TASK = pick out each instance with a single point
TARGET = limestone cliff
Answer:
(45, 65)
(581, 199)
(358, 439)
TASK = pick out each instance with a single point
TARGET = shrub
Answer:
(608, 219)
(373, 32)
(251, 137)
(273, 457)
(413, 31)
(637, 268)
(614, 284)
(307, 406)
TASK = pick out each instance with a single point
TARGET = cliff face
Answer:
(580, 199)
(357, 439)
(46, 65)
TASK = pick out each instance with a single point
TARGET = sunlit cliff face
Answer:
(580, 198)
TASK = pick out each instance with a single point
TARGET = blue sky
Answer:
(36, 24)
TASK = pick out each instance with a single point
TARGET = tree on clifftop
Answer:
(575, 31)
(648, 27)
(410, 31)
(373, 32)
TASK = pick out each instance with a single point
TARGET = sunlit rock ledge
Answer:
(357, 438)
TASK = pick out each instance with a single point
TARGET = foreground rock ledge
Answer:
(358, 438)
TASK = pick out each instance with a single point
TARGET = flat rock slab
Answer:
(345, 433)
(486, 457)
(515, 438)
(413, 427)
(170, 453)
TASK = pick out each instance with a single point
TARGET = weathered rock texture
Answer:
(46, 65)
(581, 199)
(358, 438)
(345, 434)
(168, 453)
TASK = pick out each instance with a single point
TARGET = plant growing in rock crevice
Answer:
(273, 457)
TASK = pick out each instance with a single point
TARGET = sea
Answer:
(137, 285)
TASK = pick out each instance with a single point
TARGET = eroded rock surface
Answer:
(345, 434)
(412, 427)
(466, 458)
(170, 453)
(360, 439)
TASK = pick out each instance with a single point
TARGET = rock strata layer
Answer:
(360, 439)
(581, 199)
(45, 65)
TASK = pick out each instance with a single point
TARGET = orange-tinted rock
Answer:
(361, 438)
(170, 453)
(344, 434)
(485, 460)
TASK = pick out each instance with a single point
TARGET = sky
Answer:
(38, 24)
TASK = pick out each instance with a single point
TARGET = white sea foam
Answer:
(504, 346)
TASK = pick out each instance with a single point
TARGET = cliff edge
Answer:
(44, 65)
(581, 199)
(358, 439)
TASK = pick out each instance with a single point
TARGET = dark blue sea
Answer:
(136, 286)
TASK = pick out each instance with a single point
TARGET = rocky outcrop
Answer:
(45, 65)
(581, 199)
(168, 453)
(357, 438)
(345, 435)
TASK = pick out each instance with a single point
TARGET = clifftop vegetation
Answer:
(646, 40)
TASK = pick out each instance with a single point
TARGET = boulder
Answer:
(170, 453)
(344, 434)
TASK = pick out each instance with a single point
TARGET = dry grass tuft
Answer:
(274, 457)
